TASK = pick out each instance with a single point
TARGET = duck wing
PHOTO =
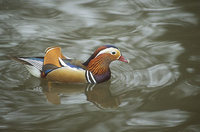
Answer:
(57, 67)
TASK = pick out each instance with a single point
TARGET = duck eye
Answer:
(113, 53)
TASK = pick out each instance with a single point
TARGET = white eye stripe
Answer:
(108, 50)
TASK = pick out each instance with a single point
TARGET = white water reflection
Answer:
(192, 128)
(185, 89)
(156, 76)
(142, 74)
(74, 99)
(89, 16)
(78, 14)
(166, 118)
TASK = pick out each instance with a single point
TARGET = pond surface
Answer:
(158, 91)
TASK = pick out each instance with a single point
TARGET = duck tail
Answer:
(33, 64)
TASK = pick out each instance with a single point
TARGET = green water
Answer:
(158, 91)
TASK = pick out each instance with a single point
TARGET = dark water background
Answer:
(158, 91)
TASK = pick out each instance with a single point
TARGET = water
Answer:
(158, 91)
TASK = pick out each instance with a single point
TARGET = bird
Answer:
(54, 66)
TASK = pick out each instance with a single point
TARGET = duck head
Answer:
(99, 61)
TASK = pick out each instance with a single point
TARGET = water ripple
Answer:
(152, 92)
(166, 118)
(146, 68)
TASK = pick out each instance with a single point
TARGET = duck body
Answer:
(54, 66)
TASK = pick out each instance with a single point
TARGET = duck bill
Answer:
(123, 59)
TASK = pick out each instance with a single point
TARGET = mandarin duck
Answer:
(54, 66)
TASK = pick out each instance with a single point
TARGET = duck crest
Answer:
(96, 52)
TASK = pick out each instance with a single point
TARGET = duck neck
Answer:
(98, 66)
(100, 69)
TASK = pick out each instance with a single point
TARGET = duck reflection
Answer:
(99, 94)
(53, 91)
